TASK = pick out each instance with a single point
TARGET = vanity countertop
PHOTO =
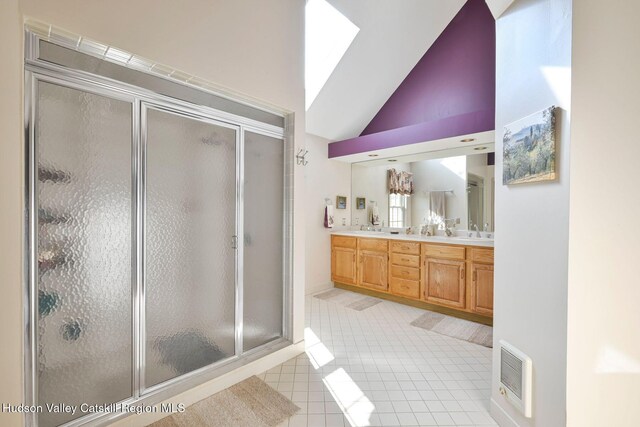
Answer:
(454, 240)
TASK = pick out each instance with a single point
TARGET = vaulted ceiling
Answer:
(393, 37)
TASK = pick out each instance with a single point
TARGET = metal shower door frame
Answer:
(140, 100)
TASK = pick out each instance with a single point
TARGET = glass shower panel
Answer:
(189, 256)
(83, 226)
(263, 239)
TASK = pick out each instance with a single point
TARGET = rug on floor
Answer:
(350, 300)
(457, 328)
(250, 403)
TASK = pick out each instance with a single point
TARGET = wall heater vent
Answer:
(516, 377)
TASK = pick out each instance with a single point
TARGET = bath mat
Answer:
(456, 328)
(364, 303)
(348, 299)
(250, 403)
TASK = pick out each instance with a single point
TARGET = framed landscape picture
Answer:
(529, 152)
(360, 203)
(341, 202)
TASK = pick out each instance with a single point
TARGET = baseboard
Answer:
(500, 415)
(205, 390)
(318, 288)
(419, 304)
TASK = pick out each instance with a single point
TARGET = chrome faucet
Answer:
(477, 231)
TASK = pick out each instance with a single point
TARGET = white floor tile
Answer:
(298, 421)
(389, 420)
(443, 419)
(372, 368)
(425, 419)
(407, 419)
(316, 420)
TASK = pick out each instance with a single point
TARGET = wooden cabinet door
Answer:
(482, 288)
(343, 265)
(444, 282)
(372, 270)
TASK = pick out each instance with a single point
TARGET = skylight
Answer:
(328, 35)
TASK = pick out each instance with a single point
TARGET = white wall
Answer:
(325, 178)
(533, 65)
(371, 182)
(11, 159)
(247, 47)
(603, 378)
(440, 174)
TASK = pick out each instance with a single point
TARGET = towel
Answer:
(437, 206)
(375, 215)
(328, 216)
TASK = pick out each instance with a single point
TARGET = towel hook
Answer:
(301, 157)
(327, 201)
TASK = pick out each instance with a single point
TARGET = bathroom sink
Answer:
(471, 239)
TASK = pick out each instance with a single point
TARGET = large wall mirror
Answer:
(453, 187)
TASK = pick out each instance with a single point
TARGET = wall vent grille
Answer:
(516, 377)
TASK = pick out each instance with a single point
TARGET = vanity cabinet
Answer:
(373, 257)
(444, 276)
(404, 274)
(444, 282)
(481, 267)
(454, 279)
(343, 259)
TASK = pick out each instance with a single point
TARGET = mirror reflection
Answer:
(457, 190)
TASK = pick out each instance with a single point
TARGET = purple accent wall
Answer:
(450, 91)
(463, 124)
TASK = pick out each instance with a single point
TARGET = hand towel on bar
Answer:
(328, 216)
(375, 215)
(437, 206)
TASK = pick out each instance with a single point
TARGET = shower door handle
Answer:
(234, 242)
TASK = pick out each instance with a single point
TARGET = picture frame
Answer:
(529, 148)
(361, 203)
(341, 202)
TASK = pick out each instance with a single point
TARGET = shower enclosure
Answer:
(158, 240)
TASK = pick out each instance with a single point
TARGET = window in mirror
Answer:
(397, 210)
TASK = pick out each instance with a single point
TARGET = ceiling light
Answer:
(468, 140)
(373, 155)
(392, 160)
(480, 148)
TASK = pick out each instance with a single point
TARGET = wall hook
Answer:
(301, 157)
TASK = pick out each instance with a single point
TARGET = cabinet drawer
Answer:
(407, 288)
(405, 260)
(343, 241)
(376, 245)
(482, 255)
(407, 273)
(405, 248)
(440, 251)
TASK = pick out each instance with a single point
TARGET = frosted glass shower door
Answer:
(263, 239)
(83, 276)
(190, 256)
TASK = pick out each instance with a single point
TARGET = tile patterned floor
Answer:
(372, 368)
